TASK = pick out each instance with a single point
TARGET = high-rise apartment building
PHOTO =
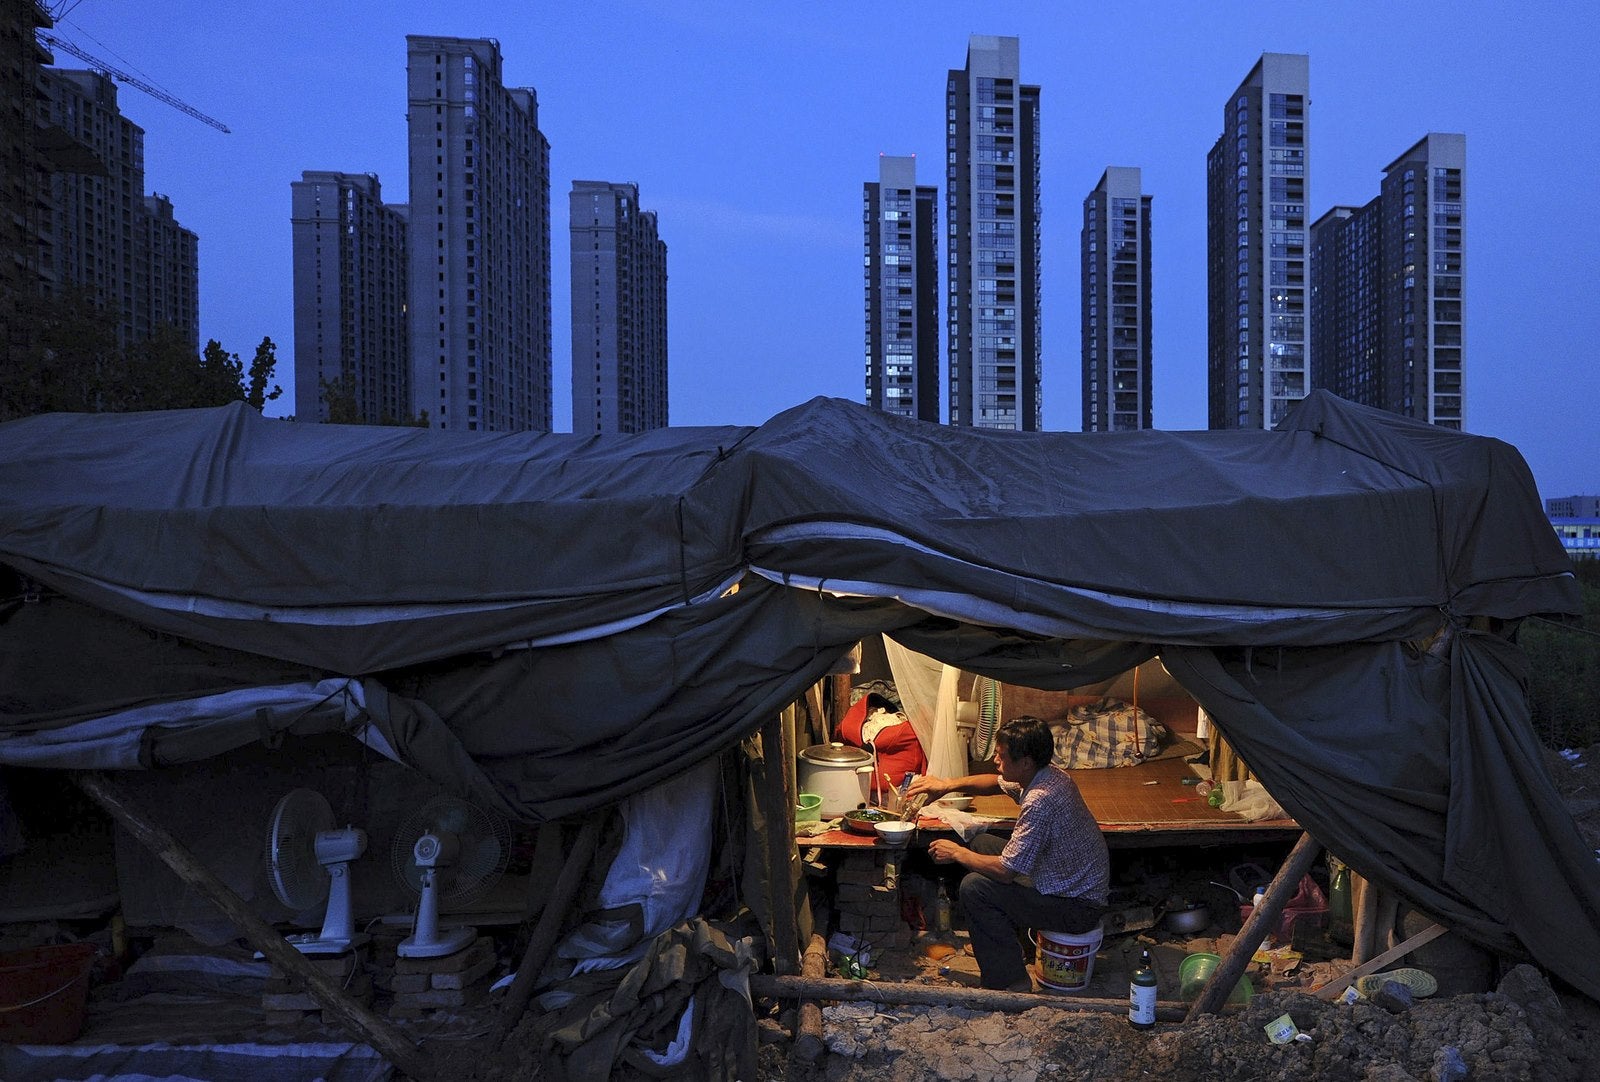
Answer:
(351, 334)
(1387, 288)
(900, 227)
(619, 311)
(992, 193)
(1115, 244)
(479, 241)
(172, 269)
(24, 190)
(1258, 184)
(104, 241)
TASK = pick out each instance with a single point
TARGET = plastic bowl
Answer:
(958, 801)
(895, 832)
(1196, 970)
(808, 808)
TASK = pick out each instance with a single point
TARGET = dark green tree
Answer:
(1564, 669)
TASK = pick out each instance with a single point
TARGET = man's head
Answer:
(1023, 746)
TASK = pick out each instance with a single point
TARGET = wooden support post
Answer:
(808, 1044)
(819, 718)
(838, 698)
(978, 999)
(1262, 920)
(543, 937)
(1366, 920)
(1334, 987)
(388, 1041)
(778, 806)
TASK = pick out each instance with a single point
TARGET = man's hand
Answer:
(943, 850)
(929, 786)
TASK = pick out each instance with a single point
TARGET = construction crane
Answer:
(51, 41)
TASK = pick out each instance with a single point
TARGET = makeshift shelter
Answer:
(548, 623)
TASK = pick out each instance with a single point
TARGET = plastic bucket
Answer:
(1066, 961)
(44, 992)
(1196, 971)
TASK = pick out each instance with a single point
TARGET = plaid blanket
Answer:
(1107, 733)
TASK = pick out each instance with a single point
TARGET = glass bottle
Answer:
(1142, 994)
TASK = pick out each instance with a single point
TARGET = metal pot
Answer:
(839, 774)
(1189, 919)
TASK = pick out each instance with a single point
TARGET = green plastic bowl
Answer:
(1196, 970)
(808, 808)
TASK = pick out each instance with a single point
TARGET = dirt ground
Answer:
(1523, 1029)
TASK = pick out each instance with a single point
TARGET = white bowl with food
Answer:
(958, 801)
(894, 831)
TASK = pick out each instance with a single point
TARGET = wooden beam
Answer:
(778, 805)
(978, 999)
(543, 937)
(1262, 920)
(1334, 987)
(389, 1042)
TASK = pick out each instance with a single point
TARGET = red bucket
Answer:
(44, 993)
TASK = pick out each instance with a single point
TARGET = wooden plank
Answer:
(778, 805)
(543, 938)
(388, 1041)
(902, 992)
(1263, 918)
(1399, 950)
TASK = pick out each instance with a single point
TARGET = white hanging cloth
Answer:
(927, 691)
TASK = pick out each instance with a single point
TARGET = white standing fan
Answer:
(308, 860)
(447, 852)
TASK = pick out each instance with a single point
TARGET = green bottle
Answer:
(1142, 994)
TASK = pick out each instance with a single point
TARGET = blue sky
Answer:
(750, 127)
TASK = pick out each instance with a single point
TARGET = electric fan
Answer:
(988, 690)
(447, 852)
(308, 859)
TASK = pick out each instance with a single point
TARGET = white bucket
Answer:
(1066, 961)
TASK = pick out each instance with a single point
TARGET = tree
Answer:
(63, 358)
(68, 360)
(339, 395)
(262, 367)
(1564, 669)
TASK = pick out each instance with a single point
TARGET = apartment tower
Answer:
(1115, 244)
(479, 241)
(1258, 184)
(992, 189)
(1387, 288)
(144, 270)
(352, 356)
(900, 227)
(619, 311)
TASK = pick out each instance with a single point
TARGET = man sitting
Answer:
(1053, 873)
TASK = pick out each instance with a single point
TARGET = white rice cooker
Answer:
(841, 775)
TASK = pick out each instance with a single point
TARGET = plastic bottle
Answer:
(1142, 994)
(1261, 896)
(941, 912)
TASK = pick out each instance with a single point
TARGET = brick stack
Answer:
(867, 897)
(286, 1001)
(424, 985)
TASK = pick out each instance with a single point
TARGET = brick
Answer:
(461, 960)
(290, 1001)
(442, 997)
(465, 977)
(852, 922)
(284, 1018)
(409, 982)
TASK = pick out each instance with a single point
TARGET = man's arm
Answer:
(946, 851)
(938, 787)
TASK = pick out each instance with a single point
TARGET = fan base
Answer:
(442, 943)
(310, 943)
